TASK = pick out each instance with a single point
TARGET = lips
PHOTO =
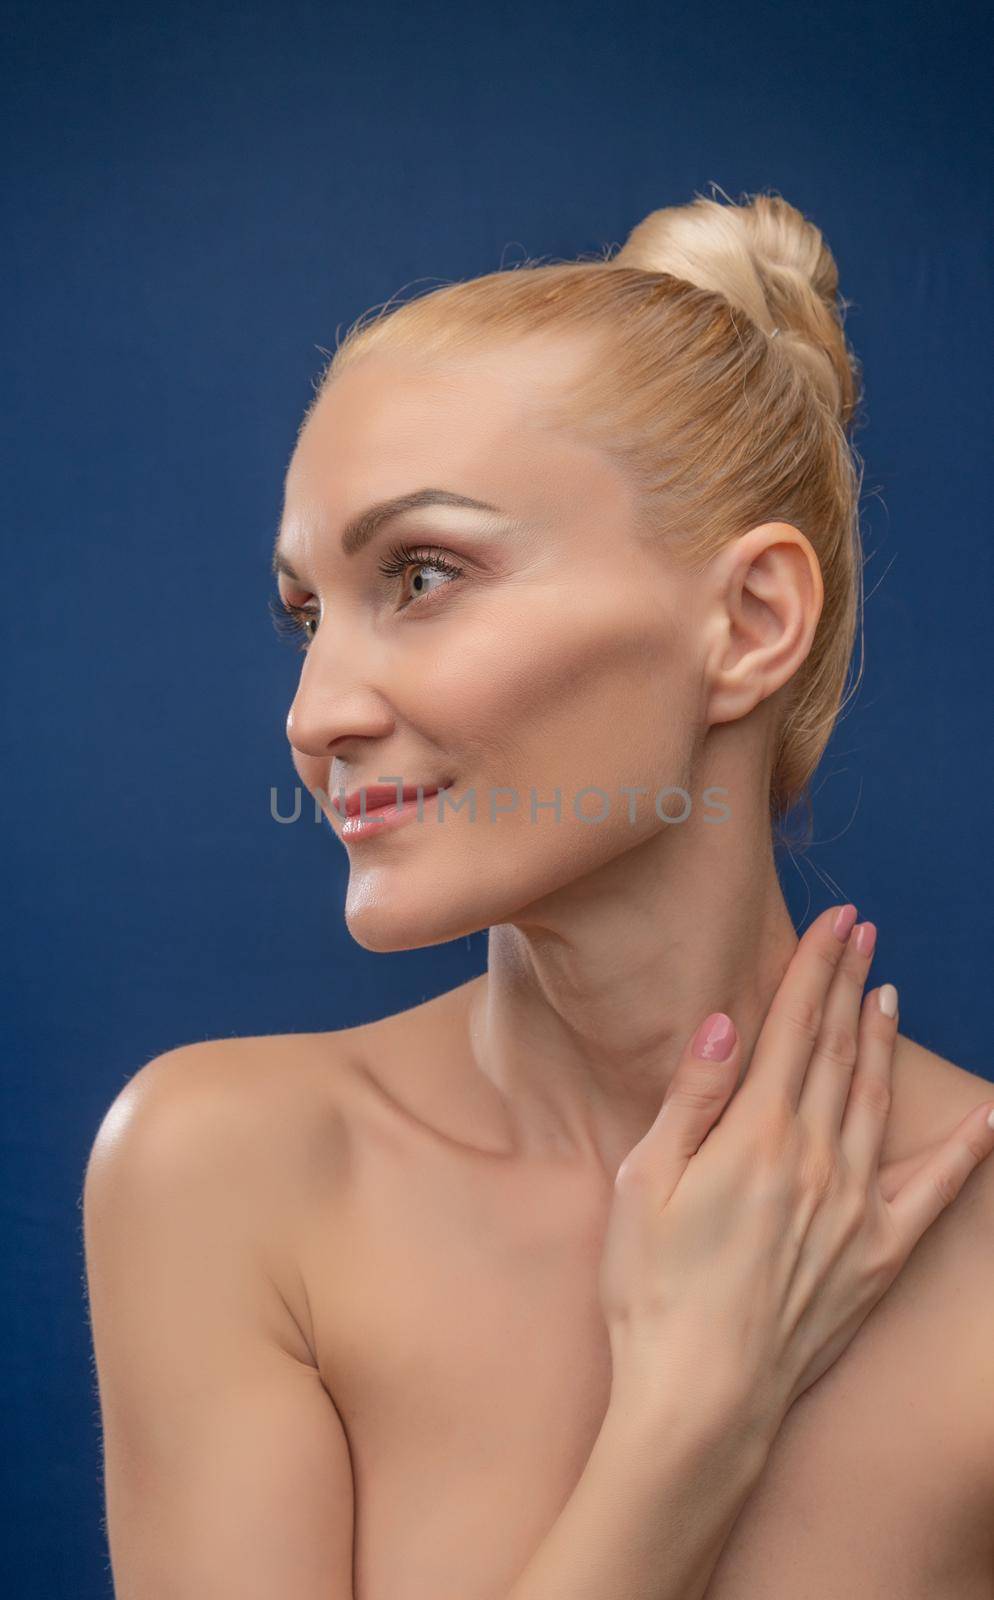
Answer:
(384, 794)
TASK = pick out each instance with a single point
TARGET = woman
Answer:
(534, 1291)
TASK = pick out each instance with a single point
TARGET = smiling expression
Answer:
(500, 629)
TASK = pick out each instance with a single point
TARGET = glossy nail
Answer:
(842, 926)
(715, 1038)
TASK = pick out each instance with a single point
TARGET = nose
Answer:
(335, 701)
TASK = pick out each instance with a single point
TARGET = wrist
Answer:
(714, 1415)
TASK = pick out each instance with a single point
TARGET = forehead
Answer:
(390, 423)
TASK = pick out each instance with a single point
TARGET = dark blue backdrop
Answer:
(198, 196)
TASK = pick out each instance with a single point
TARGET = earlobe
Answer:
(770, 596)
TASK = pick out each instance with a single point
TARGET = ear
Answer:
(768, 596)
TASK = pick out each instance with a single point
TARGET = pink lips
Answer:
(379, 802)
(382, 794)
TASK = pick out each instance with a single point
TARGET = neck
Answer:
(592, 995)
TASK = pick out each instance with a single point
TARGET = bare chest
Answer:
(468, 1358)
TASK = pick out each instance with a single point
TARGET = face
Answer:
(505, 653)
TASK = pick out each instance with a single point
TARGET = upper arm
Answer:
(226, 1466)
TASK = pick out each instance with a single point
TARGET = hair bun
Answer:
(768, 260)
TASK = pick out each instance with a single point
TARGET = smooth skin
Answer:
(755, 1220)
(783, 1203)
(344, 1286)
(746, 1224)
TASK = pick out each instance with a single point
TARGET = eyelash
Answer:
(291, 621)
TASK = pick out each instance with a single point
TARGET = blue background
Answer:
(198, 197)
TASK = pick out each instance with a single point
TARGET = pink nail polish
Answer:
(865, 938)
(842, 926)
(715, 1038)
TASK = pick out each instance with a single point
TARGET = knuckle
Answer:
(838, 1043)
(765, 1186)
(828, 952)
(852, 971)
(773, 1132)
(699, 1090)
(819, 1171)
(804, 1016)
(946, 1185)
(872, 1093)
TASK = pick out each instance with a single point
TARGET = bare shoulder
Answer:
(412, 1069)
(235, 1143)
(932, 1095)
(276, 1113)
(226, 1465)
(256, 1096)
(955, 1273)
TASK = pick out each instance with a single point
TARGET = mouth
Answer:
(372, 810)
(380, 795)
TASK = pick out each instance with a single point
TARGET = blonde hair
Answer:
(723, 383)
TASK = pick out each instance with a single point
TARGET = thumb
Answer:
(698, 1092)
(893, 1175)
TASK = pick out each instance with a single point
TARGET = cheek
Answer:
(571, 696)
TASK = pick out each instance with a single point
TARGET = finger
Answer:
(893, 1175)
(698, 1092)
(790, 1031)
(834, 1059)
(864, 1119)
(941, 1176)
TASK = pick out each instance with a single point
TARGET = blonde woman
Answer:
(655, 1262)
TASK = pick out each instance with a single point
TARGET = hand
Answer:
(751, 1230)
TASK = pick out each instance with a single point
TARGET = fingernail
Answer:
(715, 1038)
(865, 938)
(887, 1000)
(842, 925)
(990, 1117)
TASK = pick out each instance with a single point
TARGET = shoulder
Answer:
(270, 1099)
(217, 1096)
(237, 1131)
(932, 1095)
(216, 1154)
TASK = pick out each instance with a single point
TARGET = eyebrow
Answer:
(360, 529)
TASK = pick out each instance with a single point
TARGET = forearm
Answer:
(652, 1510)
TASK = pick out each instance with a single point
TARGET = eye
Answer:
(300, 623)
(293, 622)
(422, 558)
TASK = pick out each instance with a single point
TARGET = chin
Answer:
(387, 922)
(389, 907)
